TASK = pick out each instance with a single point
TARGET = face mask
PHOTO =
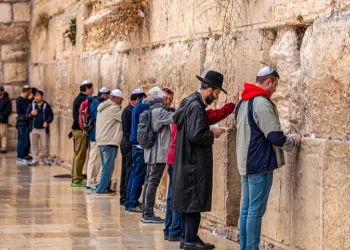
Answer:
(209, 99)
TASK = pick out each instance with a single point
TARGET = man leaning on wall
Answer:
(80, 139)
(260, 144)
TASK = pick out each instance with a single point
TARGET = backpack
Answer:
(146, 137)
(85, 120)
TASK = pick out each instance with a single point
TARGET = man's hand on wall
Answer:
(235, 96)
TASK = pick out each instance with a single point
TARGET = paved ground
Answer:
(38, 211)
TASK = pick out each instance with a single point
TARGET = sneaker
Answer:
(107, 193)
(21, 160)
(152, 219)
(46, 163)
(33, 163)
(79, 185)
(90, 190)
(135, 210)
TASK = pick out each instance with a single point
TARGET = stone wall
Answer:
(306, 40)
(14, 47)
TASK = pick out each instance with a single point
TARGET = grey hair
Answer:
(162, 95)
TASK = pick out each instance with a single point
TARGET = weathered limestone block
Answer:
(15, 72)
(325, 54)
(21, 12)
(336, 199)
(12, 119)
(12, 133)
(1, 74)
(13, 33)
(14, 92)
(6, 13)
(13, 53)
(291, 97)
(307, 195)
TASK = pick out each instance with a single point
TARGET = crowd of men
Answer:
(151, 135)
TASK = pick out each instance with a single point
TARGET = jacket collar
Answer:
(251, 90)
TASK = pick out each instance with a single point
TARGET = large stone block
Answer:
(6, 13)
(336, 199)
(306, 196)
(12, 119)
(12, 133)
(15, 72)
(21, 12)
(13, 33)
(14, 53)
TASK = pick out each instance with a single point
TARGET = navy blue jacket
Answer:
(48, 115)
(94, 101)
(138, 109)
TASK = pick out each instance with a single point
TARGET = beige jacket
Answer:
(109, 124)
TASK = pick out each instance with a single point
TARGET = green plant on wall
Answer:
(71, 32)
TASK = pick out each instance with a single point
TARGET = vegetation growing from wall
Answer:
(71, 32)
(124, 19)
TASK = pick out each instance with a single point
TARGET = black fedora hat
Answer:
(214, 79)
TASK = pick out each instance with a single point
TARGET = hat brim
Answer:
(207, 82)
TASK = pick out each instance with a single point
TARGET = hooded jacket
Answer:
(193, 167)
(109, 124)
(161, 120)
(260, 141)
(5, 108)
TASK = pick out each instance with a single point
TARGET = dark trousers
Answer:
(172, 219)
(126, 150)
(152, 180)
(137, 178)
(23, 142)
(190, 226)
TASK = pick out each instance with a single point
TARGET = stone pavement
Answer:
(38, 211)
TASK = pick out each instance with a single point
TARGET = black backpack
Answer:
(146, 137)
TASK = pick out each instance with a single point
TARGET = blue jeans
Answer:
(255, 193)
(23, 142)
(137, 178)
(108, 155)
(172, 219)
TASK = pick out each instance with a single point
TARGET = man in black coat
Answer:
(193, 167)
(5, 112)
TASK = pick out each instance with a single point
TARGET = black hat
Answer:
(214, 79)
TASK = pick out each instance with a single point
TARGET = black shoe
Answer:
(152, 219)
(28, 158)
(198, 244)
(182, 245)
(174, 238)
(122, 202)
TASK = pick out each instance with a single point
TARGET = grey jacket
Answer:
(161, 120)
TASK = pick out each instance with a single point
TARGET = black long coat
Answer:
(193, 166)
